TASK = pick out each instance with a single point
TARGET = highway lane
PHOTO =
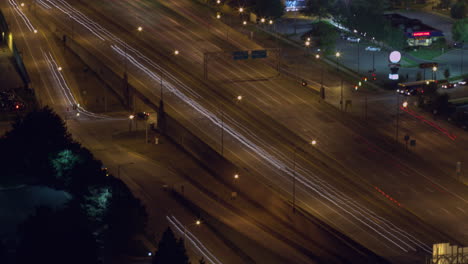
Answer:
(51, 87)
(387, 130)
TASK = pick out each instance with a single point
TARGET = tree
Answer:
(460, 30)
(56, 237)
(459, 9)
(124, 215)
(170, 250)
(26, 148)
(324, 35)
(441, 103)
(318, 8)
(447, 73)
(269, 8)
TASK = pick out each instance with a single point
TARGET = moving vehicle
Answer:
(448, 85)
(372, 48)
(413, 88)
(353, 39)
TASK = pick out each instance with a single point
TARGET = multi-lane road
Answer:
(341, 179)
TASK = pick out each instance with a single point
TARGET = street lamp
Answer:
(244, 22)
(239, 98)
(270, 22)
(405, 104)
(140, 29)
(59, 68)
(434, 70)
(130, 122)
(218, 16)
(337, 55)
(296, 148)
(262, 20)
(218, 2)
(176, 52)
(241, 10)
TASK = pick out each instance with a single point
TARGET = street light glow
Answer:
(176, 52)
(239, 98)
(262, 20)
(241, 9)
(59, 68)
(313, 142)
(405, 104)
(198, 222)
(244, 23)
(434, 68)
(218, 16)
(140, 29)
(236, 176)
(218, 2)
(317, 56)
(270, 22)
(35, 31)
(22, 4)
(307, 43)
(131, 117)
(337, 54)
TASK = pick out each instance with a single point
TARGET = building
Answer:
(444, 253)
(416, 32)
(294, 5)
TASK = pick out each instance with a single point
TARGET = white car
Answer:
(372, 48)
(353, 39)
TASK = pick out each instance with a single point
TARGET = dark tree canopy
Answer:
(24, 150)
(170, 250)
(56, 237)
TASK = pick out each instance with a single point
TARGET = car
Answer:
(353, 39)
(449, 85)
(463, 82)
(372, 48)
(458, 44)
(142, 115)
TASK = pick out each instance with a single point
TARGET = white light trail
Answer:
(20, 12)
(190, 237)
(390, 232)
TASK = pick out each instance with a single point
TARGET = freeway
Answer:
(283, 102)
(52, 82)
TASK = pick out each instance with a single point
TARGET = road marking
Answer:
(461, 210)
(445, 210)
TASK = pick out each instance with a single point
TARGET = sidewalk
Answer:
(9, 77)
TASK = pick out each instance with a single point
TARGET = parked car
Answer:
(463, 82)
(353, 39)
(372, 48)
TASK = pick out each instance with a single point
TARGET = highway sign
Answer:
(240, 55)
(259, 54)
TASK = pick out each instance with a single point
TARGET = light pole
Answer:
(197, 223)
(307, 45)
(130, 122)
(434, 73)
(296, 149)
(322, 89)
(337, 55)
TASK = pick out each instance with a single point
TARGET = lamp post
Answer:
(296, 149)
(337, 55)
(322, 89)
(307, 45)
(130, 122)
(434, 73)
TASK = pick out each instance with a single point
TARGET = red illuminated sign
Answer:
(419, 34)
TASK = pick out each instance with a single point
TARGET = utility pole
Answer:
(397, 117)
(341, 99)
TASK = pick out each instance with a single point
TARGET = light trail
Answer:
(387, 230)
(20, 12)
(190, 237)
